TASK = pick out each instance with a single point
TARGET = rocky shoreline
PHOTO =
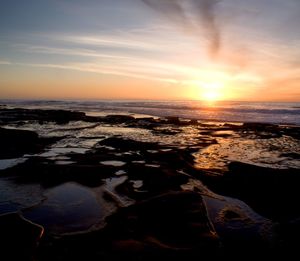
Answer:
(114, 187)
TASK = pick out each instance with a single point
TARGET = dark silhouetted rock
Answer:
(127, 144)
(292, 155)
(15, 143)
(193, 122)
(19, 237)
(50, 174)
(173, 120)
(274, 193)
(168, 225)
(119, 118)
(258, 126)
(156, 180)
(58, 116)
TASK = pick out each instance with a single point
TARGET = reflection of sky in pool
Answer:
(8, 163)
(115, 163)
(68, 208)
(71, 207)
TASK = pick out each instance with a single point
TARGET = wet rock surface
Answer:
(114, 186)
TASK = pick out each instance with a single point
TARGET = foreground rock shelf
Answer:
(76, 186)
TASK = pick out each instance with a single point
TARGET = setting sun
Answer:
(212, 91)
(210, 95)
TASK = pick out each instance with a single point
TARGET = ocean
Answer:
(263, 112)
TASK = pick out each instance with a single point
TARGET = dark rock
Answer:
(128, 144)
(94, 119)
(15, 143)
(146, 120)
(292, 155)
(262, 130)
(155, 181)
(166, 131)
(145, 123)
(17, 136)
(258, 126)
(58, 116)
(19, 237)
(289, 232)
(50, 174)
(229, 214)
(230, 126)
(292, 131)
(193, 122)
(119, 118)
(173, 120)
(172, 225)
(274, 193)
(175, 159)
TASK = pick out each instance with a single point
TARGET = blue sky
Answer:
(150, 49)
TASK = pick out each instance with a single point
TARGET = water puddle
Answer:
(53, 152)
(15, 197)
(115, 163)
(152, 151)
(8, 163)
(235, 220)
(64, 162)
(152, 165)
(138, 161)
(69, 208)
(120, 172)
(137, 184)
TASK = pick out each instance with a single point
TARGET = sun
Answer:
(211, 91)
(210, 95)
(211, 87)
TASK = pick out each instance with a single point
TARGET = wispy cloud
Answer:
(120, 40)
(4, 62)
(110, 54)
(96, 68)
(154, 38)
(69, 52)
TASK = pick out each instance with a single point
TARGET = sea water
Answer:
(264, 112)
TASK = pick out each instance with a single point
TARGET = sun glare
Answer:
(210, 95)
(211, 91)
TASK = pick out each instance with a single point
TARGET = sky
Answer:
(150, 49)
